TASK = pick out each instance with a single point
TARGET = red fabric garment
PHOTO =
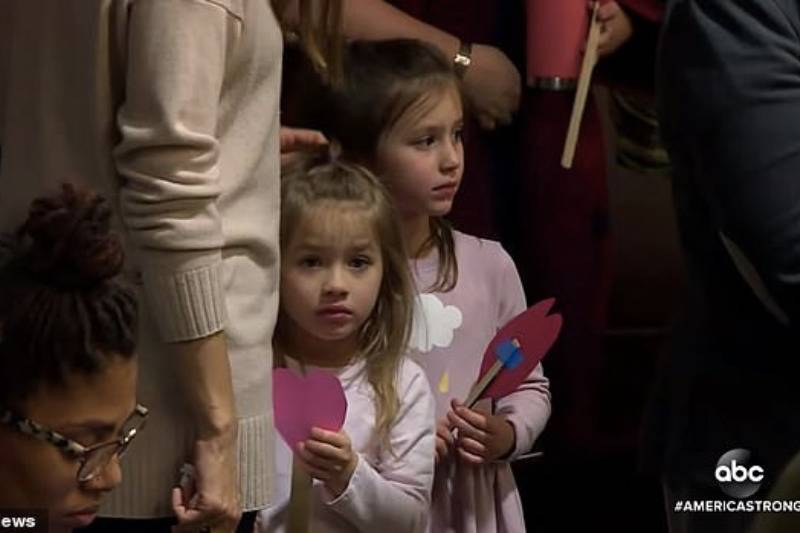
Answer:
(566, 250)
(566, 243)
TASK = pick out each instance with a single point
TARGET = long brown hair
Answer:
(384, 80)
(319, 31)
(63, 308)
(315, 180)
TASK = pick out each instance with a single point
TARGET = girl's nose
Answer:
(335, 282)
(451, 156)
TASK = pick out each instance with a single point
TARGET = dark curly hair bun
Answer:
(67, 239)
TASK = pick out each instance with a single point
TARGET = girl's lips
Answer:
(334, 310)
(446, 186)
(335, 313)
(446, 191)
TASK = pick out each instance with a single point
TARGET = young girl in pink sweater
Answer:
(346, 308)
(400, 113)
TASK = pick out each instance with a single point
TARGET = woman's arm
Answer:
(168, 161)
(492, 83)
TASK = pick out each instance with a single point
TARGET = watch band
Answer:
(462, 59)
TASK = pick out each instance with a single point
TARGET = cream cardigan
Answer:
(170, 109)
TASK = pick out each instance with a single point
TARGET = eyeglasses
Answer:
(93, 459)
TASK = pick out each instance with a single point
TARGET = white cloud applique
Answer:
(434, 323)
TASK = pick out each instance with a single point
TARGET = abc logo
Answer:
(736, 474)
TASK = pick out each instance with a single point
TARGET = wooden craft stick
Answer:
(584, 82)
(298, 519)
(486, 380)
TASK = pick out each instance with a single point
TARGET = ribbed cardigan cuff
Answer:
(151, 470)
(256, 466)
(184, 293)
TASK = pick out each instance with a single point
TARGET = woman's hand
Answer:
(207, 388)
(215, 502)
(492, 86)
(296, 140)
(615, 28)
(329, 457)
(482, 437)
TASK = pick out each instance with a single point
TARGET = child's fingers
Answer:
(465, 429)
(313, 471)
(469, 457)
(472, 417)
(444, 432)
(338, 439)
(444, 439)
(444, 424)
(472, 447)
(442, 450)
(325, 451)
(308, 453)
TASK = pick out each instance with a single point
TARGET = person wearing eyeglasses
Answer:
(68, 370)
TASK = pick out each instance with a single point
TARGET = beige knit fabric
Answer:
(170, 109)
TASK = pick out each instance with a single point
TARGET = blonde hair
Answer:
(383, 338)
(319, 31)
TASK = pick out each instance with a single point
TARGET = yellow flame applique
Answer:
(444, 383)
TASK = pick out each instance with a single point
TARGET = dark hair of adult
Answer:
(63, 308)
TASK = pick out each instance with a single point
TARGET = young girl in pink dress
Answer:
(400, 113)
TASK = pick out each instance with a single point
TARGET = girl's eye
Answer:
(458, 135)
(425, 142)
(310, 262)
(360, 262)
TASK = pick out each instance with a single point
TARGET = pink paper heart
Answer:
(301, 402)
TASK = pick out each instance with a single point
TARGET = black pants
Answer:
(160, 525)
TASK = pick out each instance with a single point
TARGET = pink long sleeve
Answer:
(391, 492)
(528, 408)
